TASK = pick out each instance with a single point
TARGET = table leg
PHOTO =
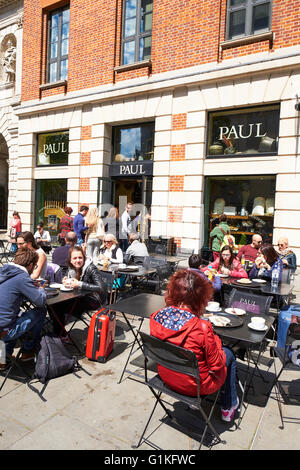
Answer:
(136, 340)
(63, 331)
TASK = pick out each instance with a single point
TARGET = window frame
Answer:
(248, 7)
(135, 37)
(59, 58)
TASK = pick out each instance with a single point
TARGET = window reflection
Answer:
(134, 143)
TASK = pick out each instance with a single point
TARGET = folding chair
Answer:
(293, 334)
(5, 255)
(248, 301)
(181, 360)
(12, 363)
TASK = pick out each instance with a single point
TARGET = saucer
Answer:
(251, 325)
(213, 309)
(237, 311)
(262, 281)
(66, 289)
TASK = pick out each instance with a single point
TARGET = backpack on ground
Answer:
(53, 360)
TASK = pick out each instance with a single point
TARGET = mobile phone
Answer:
(43, 282)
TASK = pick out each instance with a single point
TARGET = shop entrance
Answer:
(118, 192)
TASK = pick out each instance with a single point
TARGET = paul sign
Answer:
(244, 131)
(141, 168)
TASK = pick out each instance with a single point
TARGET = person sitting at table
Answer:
(61, 253)
(136, 250)
(84, 275)
(196, 264)
(42, 238)
(227, 264)
(250, 251)
(27, 239)
(287, 255)
(16, 286)
(181, 324)
(265, 263)
(110, 250)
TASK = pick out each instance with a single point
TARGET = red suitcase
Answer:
(101, 335)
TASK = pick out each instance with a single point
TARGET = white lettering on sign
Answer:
(132, 169)
(55, 148)
(242, 131)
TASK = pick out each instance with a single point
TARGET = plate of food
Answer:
(224, 275)
(235, 311)
(260, 281)
(224, 320)
(245, 282)
(55, 285)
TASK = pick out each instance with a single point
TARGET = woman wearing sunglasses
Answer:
(110, 250)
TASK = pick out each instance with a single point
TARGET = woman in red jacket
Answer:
(227, 264)
(179, 323)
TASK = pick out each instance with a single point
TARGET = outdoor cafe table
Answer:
(115, 271)
(283, 290)
(64, 296)
(142, 305)
(248, 339)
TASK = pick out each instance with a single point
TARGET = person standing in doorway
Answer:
(79, 225)
(217, 235)
(125, 226)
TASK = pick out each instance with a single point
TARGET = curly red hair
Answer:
(187, 287)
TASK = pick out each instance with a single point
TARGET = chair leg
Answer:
(135, 446)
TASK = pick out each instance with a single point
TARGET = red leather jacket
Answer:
(196, 335)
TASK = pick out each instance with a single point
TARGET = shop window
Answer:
(248, 202)
(58, 45)
(137, 31)
(133, 143)
(50, 200)
(248, 17)
(52, 148)
(251, 131)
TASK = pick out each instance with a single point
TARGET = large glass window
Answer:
(53, 148)
(137, 31)
(251, 131)
(132, 143)
(58, 45)
(50, 200)
(248, 17)
(248, 202)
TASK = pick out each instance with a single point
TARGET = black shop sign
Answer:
(135, 168)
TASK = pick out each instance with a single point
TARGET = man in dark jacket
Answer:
(61, 253)
(16, 286)
(78, 224)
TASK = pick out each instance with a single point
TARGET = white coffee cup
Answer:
(258, 322)
(213, 306)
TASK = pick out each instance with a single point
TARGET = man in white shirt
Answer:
(137, 250)
(125, 226)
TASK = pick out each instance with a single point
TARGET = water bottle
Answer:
(275, 278)
(2, 353)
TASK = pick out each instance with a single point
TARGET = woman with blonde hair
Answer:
(110, 249)
(94, 234)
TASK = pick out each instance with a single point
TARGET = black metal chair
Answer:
(293, 334)
(14, 364)
(184, 361)
(6, 255)
(250, 302)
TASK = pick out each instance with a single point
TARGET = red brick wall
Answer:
(185, 34)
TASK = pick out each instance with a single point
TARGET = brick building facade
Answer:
(199, 67)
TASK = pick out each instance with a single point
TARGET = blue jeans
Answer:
(228, 395)
(33, 320)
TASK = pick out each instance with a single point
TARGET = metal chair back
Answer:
(254, 304)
